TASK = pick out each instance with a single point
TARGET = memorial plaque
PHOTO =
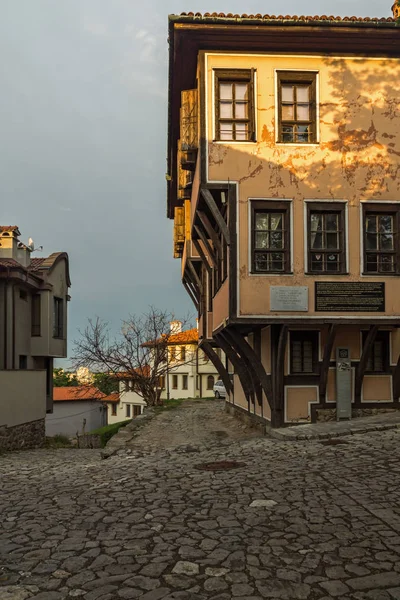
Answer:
(354, 296)
(289, 298)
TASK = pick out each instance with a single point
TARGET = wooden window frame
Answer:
(265, 206)
(174, 379)
(210, 389)
(113, 410)
(235, 76)
(185, 382)
(128, 411)
(382, 336)
(328, 208)
(298, 77)
(36, 316)
(58, 315)
(314, 336)
(378, 209)
(137, 411)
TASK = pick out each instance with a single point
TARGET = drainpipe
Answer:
(13, 326)
(5, 316)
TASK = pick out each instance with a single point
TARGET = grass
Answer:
(58, 441)
(169, 405)
(107, 432)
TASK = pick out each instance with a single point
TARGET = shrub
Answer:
(107, 432)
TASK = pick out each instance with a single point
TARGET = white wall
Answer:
(68, 418)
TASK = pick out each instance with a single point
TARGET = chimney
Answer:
(176, 327)
(396, 10)
(9, 241)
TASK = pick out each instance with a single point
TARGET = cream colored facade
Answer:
(129, 405)
(280, 326)
(33, 328)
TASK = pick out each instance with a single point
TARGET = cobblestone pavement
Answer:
(298, 520)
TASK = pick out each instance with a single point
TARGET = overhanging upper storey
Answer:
(191, 33)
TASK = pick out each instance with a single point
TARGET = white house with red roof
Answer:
(33, 332)
(77, 409)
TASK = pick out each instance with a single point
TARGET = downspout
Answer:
(13, 326)
(5, 316)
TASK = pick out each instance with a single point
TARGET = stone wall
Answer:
(325, 415)
(23, 437)
(250, 420)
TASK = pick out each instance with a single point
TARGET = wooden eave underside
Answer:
(187, 39)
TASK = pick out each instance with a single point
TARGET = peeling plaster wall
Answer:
(357, 159)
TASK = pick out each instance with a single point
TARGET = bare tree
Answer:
(139, 353)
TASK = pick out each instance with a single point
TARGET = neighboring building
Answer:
(190, 372)
(283, 183)
(33, 331)
(126, 404)
(77, 409)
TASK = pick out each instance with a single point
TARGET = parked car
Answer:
(219, 389)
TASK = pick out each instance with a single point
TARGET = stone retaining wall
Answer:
(23, 437)
(326, 415)
(250, 420)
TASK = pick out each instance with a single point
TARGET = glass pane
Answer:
(317, 262)
(287, 93)
(241, 110)
(307, 357)
(241, 131)
(303, 93)
(317, 240)
(226, 131)
(226, 110)
(276, 221)
(385, 224)
(332, 262)
(262, 221)
(331, 222)
(262, 241)
(303, 133)
(378, 356)
(276, 261)
(276, 240)
(303, 112)
(386, 242)
(332, 241)
(370, 224)
(287, 112)
(261, 262)
(241, 91)
(386, 264)
(371, 241)
(288, 133)
(372, 263)
(225, 91)
(316, 222)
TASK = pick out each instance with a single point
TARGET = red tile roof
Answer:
(112, 398)
(11, 263)
(77, 393)
(36, 263)
(293, 18)
(191, 336)
(9, 228)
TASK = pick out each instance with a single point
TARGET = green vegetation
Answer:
(62, 378)
(107, 432)
(58, 441)
(105, 383)
(169, 405)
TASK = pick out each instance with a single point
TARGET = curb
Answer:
(301, 437)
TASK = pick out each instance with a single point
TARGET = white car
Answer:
(219, 389)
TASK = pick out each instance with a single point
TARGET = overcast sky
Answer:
(83, 113)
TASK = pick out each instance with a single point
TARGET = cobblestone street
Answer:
(296, 520)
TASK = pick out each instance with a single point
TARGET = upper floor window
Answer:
(183, 353)
(270, 237)
(58, 318)
(36, 315)
(297, 114)
(326, 238)
(234, 105)
(381, 239)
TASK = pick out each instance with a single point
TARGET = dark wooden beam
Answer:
(203, 257)
(238, 365)
(194, 274)
(191, 295)
(278, 374)
(396, 381)
(213, 235)
(207, 245)
(219, 219)
(255, 362)
(362, 365)
(323, 379)
(216, 361)
(248, 367)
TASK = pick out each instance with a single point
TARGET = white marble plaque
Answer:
(289, 298)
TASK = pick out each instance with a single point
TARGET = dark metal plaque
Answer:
(338, 296)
